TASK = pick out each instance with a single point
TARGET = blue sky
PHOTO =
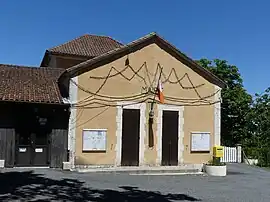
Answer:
(237, 31)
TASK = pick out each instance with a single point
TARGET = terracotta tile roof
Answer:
(87, 45)
(30, 84)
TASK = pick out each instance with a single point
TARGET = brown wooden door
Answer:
(24, 148)
(170, 138)
(32, 149)
(40, 148)
(130, 137)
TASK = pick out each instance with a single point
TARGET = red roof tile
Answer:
(87, 45)
(30, 84)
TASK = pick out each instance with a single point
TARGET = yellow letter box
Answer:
(218, 151)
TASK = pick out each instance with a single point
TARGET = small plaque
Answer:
(38, 150)
(22, 149)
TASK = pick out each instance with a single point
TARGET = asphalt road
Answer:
(243, 183)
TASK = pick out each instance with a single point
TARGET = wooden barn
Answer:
(33, 118)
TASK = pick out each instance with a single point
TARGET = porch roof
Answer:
(30, 84)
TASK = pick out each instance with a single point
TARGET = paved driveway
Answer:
(243, 183)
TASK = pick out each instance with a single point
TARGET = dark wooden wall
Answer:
(7, 135)
(68, 62)
(7, 146)
(58, 152)
(59, 138)
(12, 116)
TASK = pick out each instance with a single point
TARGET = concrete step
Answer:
(142, 170)
(168, 174)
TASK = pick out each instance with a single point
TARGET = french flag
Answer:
(160, 92)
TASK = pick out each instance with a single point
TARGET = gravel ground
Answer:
(243, 183)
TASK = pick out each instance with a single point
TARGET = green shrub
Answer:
(215, 162)
(252, 152)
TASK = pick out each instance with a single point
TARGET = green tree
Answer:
(260, 127)
(236, 102)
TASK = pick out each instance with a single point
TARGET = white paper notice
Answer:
(39, 150)
(94, 140)
(22, 149)
(200, 141)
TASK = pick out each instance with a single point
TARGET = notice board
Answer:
(200, 142)
(94, 139)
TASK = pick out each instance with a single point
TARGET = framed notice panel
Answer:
(200, 142)
(94, 139)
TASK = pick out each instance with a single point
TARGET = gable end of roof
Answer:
(138, 44)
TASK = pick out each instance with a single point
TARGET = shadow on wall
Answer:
(27, 186)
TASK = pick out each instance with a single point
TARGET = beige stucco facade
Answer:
(99, 96)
